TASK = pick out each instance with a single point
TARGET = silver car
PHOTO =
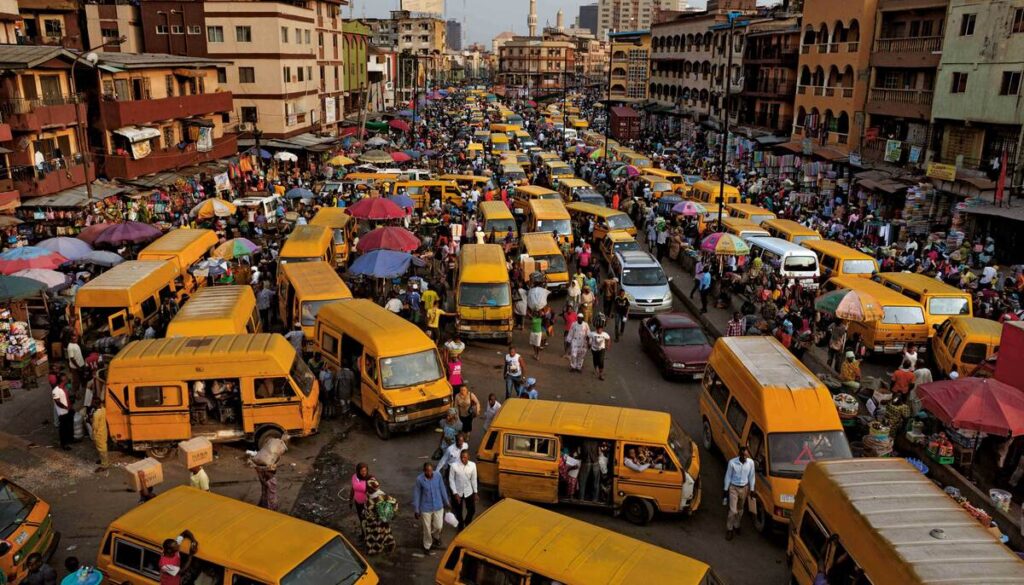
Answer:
(641, 276)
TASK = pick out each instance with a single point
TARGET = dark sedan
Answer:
(676, 343)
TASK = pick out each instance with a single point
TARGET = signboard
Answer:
(855, 159)
(205, 141)
(941, 172)
(330, 111)
(893, 149)
(221, 182)
(915, 155)
(807, 147)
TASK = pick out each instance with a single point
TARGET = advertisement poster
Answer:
(330, 111)
(893, 149)
(205, 141)
(222, 182)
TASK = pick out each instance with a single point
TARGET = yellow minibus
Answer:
(903, 320)
(123, 298)
(515, 174)
(965, 342)
(635, 159)
(498, 219)
(569, 187)
(217, 310)
(756, 393)
(940, 300)
(302, 290)
(483, 294)
(400, 382)
(548, 215)
(678, 184)
(559, 170)
(308, 243)
(658, 185)
(466, 183)
(743, 228)
(542, 246)
(614, 242)
(790, 230)
(836, 259)
(751, 213)
(520, 453)
(605, 219)
(522, 196)
(343, 227)
(710, 192)
(185, 247)
(499, 142)
(30, 530)
(424, 193)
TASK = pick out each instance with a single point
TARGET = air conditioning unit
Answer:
(389, 86)
(245, 126)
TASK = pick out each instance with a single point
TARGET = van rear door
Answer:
(158, 412)
(528, 467)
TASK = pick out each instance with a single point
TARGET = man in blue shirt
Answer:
(429, 501)
(705, 289)
(739, 482)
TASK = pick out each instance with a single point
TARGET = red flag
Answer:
(1001, 183)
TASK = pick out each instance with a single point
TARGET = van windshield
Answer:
(15, 506)
(310, 309)
(562, 226)
(858, 266)
(302, 375)
(949, 306)
(789, 453)
(556, 264)
(653, 276)
(902, 315)
(410, 370)
(500, 225)
(681, 445)
(484, 295)
(333, 564)
(619, 221)
(800, 264)
(799, 239)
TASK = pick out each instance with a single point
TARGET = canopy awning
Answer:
(189, 73)
(199, 122)
(135, 134)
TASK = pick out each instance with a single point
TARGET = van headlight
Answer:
(668, 297)
(679, 365)
(446, 399)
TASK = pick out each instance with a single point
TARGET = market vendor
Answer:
(850, 369)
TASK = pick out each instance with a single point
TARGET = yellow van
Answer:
(343, 226)
(559, 170)
(515, 174)
(940, 300)
(903, 318)
(881, 521)
(185, 247)
(239, 543)
(751, 213)
(504, 128)
(474, 149)
(542, 246)
(614, 242)
(424, 193)
(302, 290)
(499, 142)
(791, 231)
(466, 183)
(635, 159)
(710, 192)
(224, 388)
(401, 382)
(514, 542)
(658, 185)
(678, 183)
(217, 310)
(522, 196)
(520, 453)
(544, 215)
(483, 295)
(569, 187)
(28, 530)
(605, 219)
(497, 218)
(756, 393)
(308, 243)
(743, 228)
(965, 342)
(123, 298)
(836, 259)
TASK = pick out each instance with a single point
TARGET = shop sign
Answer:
(941, 171)
(893, 149)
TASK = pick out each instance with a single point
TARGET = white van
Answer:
(266, 205)
(790, 260)
(409, 174)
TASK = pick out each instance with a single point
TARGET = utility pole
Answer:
(725, 123)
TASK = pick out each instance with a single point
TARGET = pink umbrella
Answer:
(399, 125)
(92, 232)
(632, 171)
(28, 257)
(400, 157)
(375, 208)
(129, 232)
(388, 238)
(977, 404)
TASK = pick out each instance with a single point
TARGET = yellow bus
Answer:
(124, 298)
(343, 226)
(635, 159)
(678, 184)
(743, 228)
(303, 289)
(29, 531)
(522, 196)
(903, 320)
(710, 192)
(940, 300)
(965, 342)
(836, 259)
(658, 185)
(217, 310)
(605, 219)
(424, 193)
(497, 219)
(308, 243)
(185, 247)
(483, 294)
(542, 246)
(543, 215)
(790, 230)
(499, 142)
(751, 213)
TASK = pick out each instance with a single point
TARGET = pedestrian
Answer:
(737, 325)
(198, 479)
(578, 338)
(295, 337)
(530, 390)
(514, 371)
(76, 363)
(599, 342)
(39, 573)
(491, 410)
(359, 490)
(697, 272)
(264, 302)
(705, 289)
(469, 407)
(99, 437)
(609, 288)
(536, 333)
(267, 476)
(902, 379)
(620, 312)
(836, 344)
(739, 482)
(169, 565)
(377, 514)
(327, 397)
(429, 501)
(65, 417)
(451, 455)
(590, 470)
(451, 426)
(465, 492)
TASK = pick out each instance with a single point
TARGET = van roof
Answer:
(770, 363)
(921, 283)
(598, 210)
(575, 183)
(714, 186)
(780, 246)
(303, 237)
(187, 242)
(993, 330)
(131, 281)
(540, 243)
(831, 248)
(882, 293)
(619, 236)
(316, 281)
(549, 207)
(535, 190)
(378, 329)
(256, 349)
(748, 207)
(584, 420)
(482, 263)
(790, 226)
(570, 550)
(892, 499)
(332, 217)
(221, 304)
(266, 545)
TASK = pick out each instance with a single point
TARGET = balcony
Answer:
(117, 114)
(904, 103)
(766, 120)
(125, 167)
(915, 52)
(773, 56)
(768, 87)
(30, 184)
(33, 115)
(5, 131)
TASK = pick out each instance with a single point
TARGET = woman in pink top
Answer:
(359, 479)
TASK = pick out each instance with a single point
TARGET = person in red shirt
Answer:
(170, 562)
(902, 379)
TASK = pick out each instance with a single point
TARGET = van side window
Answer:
(137, 559)
(974, 353)
(329, 344)
(370, 367)
(117, 322)
(265, 388)
(478, 571)
(453, 559)
(489, 442)
(719, 393)
(152, 396)
(954, 343)
(755, 441)
(539, 447)
(149, 307)
(947, 334)
(813, 535)
(736, 416)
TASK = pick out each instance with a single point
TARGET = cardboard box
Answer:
(152, 470)
(195, 452)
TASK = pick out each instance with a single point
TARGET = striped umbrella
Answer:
(849, 304)
(235, 248)
(28, 257)
(213, 208)
(689, 208)
(724, 244)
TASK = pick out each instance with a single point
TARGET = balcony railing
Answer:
(908, 45)
(847, 92)
(915, 97)
(10, 106)
(819, 90)
(769, 86)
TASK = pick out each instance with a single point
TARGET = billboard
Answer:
(431, 6)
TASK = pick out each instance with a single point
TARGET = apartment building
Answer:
(626, 15)
(331, 46)
(630, 63)
(770, 57)
(420, 43)
(51, 22)
(357, 40)
(531, 64)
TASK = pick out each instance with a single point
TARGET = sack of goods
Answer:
(270, 453)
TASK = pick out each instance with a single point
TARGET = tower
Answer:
(560, 21)
(531, 21)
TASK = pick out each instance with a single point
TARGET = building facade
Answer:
(630, 62)
(626, 15)
(51, 22)
(683, 63)
(332, 42)
(356, 80)
(529, 64)
(770, 56)
(453, 34)
(587, 18)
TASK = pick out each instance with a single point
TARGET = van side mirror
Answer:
(5, 547)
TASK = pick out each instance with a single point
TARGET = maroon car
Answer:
(676, 343)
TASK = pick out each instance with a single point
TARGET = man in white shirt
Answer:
(462, 479)
(198, 479)
(65, 419)
(394, 305)
(491, 410)
(739, 482)
(76, 363)
(452, 454)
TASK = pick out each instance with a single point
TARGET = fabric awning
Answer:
(189, 73)
(135, 134)
(770, 140)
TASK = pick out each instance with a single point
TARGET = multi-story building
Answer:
(381, 72)
(770, 56)
(904, 61)
(630, 63)
(383, 32)
(150, 113)
(682, 62)
(115, 24)
(588, 18)
(332, 41)
(627, 15)
(835, 54)
(51, 22)
(499, 41)
(977, 110)
(532, 64)
(453, 32)
(357, 83)
(10, 22)
(420, 43)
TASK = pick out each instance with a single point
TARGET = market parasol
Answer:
(401, 125)
(378, 141)
(9, 220)
(400, 157)
(403, 201)
(376, 126)
(15, 288)
(213, 207)
(101, 258)
(341, 161)
(299, 193)
(849, 304)
(51, 278)
(263, 153)
(978, 404)
(129, 232)
(210, 268)
(384, 263)
(70, 248)
(235, 248)
(406, 113)
(27, 257)
(689, 208)
(285, 156)
(375, 157)
(388, 238)
(413, 153)
(725, 244)
(90, 233)
(598, 153)
(375, 208)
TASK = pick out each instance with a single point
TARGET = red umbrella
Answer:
(92, 232)
(400, 157)
(399, 125)
(388, 238)
(978, 404)
(375, 208)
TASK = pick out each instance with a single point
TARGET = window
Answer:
(152, 396)
(53, 27)
(246, 75)
(301, 73)
(176, 29)
(309, 72)
(538, 447)
(967, 24)
(222, 75)
(287, 74)
(1018, 21)
(477, 570)
(272, 388)
(320, 39)
(755, 441)
(306, 34)
(161, 29)
(249, 114)
(109, 33)
(243, 34)
(959, 84)
(369, 361)
(736, 416)
(329, 344)
(974, 353)
(195, 29)
(137, 559)
(298, 36)
(1011, 83)
(215, 34)
(169, 140)
(813, 535)
(719, 393)
(149, 307)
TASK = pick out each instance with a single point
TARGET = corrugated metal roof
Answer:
(28, 56)
(149, 60)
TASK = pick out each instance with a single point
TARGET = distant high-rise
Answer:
(629, 15)
(531, 20)
(424, 6)
(588, 18)
(454, 34)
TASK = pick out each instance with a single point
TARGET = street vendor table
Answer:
(83, 577)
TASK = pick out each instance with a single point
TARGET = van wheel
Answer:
(638, 511)
(161, 452)
(267, 434)
(381, 427)
(706, 438)
(762, 521)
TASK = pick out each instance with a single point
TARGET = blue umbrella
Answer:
(384, 263)
(403, 201)
(263, 153)
(405, 113)
(413, 153)
(299, 193)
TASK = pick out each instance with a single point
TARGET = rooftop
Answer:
(148, 60)
(29, 56)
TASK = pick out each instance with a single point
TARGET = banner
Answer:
(915, 155)
(205, 141)
(330, 111)
(141, 149)
(941, 172)
(221, 182)
(893, 149)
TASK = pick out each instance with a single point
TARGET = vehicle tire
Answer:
(638, 511)
(161, 452)
(380, 426)
(266, 434)
(762, 521)
(706, 438)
